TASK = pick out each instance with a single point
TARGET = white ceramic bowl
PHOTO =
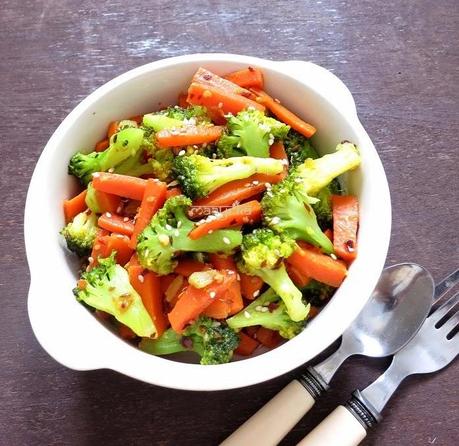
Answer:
(68, 332)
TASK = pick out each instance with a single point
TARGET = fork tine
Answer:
(450, 323)
(447, 306)
(447, 283)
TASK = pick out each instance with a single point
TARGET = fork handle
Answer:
(340, 428)
(275, 419)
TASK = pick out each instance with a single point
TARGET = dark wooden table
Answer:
(400, 60)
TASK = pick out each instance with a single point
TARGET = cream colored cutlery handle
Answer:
(275, 419)
(340, 428)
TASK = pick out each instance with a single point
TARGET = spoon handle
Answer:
(275, 419)
(340, 428)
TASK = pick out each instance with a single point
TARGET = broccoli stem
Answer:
(169, 342)
(160, 122)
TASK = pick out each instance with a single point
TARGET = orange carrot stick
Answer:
(247, 345)
(186, 267)
(188, 135)
(269, 338)
(173, 192)
(277, 151)
(112, 129)
(102, 145)
(250, 286)
(182, 100)
(284, 114)
(248, 78)
(345, 224)
(116, 223)
(74, 206)
(107, 202)
(318, 266)
(298, 278)
(247, 213)
(206, 77)
(153, 199)
(121, 185)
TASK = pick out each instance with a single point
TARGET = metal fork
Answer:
(433, 348)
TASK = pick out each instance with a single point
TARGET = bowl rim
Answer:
(167, 373)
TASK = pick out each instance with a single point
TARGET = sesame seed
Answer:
(247, 314)
(179, 223)
(176, 233)
(120, 236)
(231, 272)
(333, 256)
(255, 183)
(173, 183)
(220, 105)
(126, 219)
(276, 100)
(108, 215)
(264, 309)
(258, 308)
(150, 199)
(298, 180)
(214, 155)
(269, 194)
(268, 185)
(119, 209)
(163, 239)
(90, 259)
(238, 277)
(250, 108)
(141, 278)
(275, 220)
(256, 293)
(210, 231)
(168, 227)
(181, 153)
(284, 162)
(212, 294)
(111, 170)
(226, 241)
(96, 175)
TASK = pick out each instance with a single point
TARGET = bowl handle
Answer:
(327, 84)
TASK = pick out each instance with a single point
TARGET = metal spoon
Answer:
(394, 313)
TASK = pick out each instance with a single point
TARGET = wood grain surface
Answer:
(400, 60)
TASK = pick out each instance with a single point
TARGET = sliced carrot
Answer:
(247, 345)
(345, 224)
(298, 278)
(233, 295)
(206, 77)
(194, 301)
(211, 97)
(102, 145)
(135, 270)
(107, 202)
(112, 129)
(137, 118)
(104, 245)
(219, 308)
(115, 223)
(269, 338)
(188, 135)
(250, 286)
(247, 213)
(166, 281)
(252, 331)
(318, 266)
(236, 191)
(74, 206)
(126, 333)
(277, 151)
(152, 301)
(121, 185)
(173, 192)
(153, 199)
(186, 267)
(283, 114)
(247, 78)
(182, 100)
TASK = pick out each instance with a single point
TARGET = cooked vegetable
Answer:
(167, 236)
(250, 133)
(269, 311)
(121, 185)
(74, 206)
(199, 176)
(262, 255)
(287, 210)
(123, 145)
(345, 223)
(211, 340)
(247, 345)
(80, 233)
(107, 288)
(115, 223)
(298, 148)
(247, 78)
(188, 135)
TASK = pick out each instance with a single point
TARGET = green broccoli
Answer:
(107, 288)
(287, 210)
(298, 148)
(199, 176)
(269, 311)
(262, 255)
(317, 293)
(173, 117)
(123, 144)
(314, 175)
(250, 133)
(211, 340)
(167, 236)
(80, 233)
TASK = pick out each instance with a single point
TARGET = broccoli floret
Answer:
(317, 293)
(107, 288)
(323, 208)
(174, 117)
(211, 340)
(269, 311)
(80, 233)
(287, 210)
(250, 133)
(199, 176)
(298, 148)
(314, 175)
(167, 236)
(262, 255)
(123, 144)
